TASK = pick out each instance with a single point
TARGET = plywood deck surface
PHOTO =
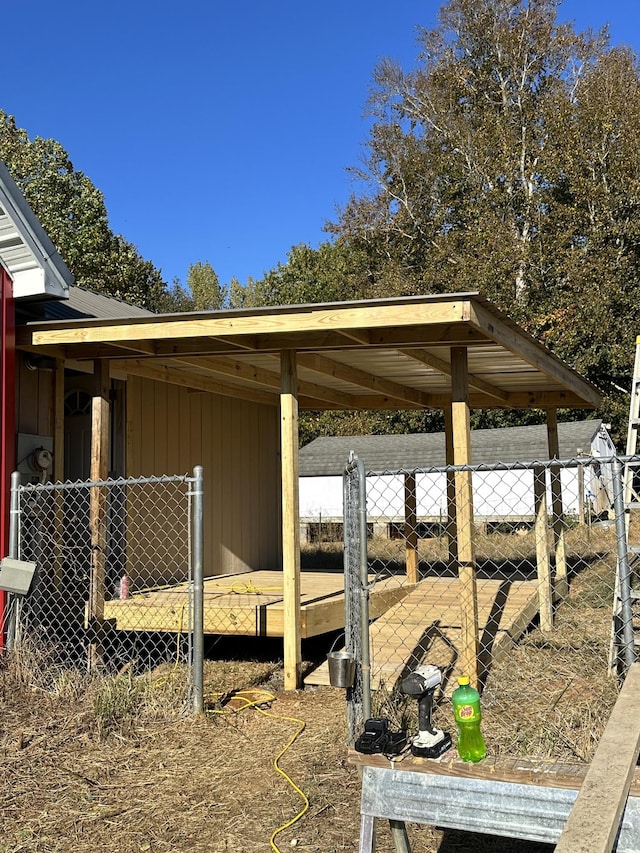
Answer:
(424, 627)
(249, 604)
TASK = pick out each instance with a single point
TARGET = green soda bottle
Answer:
(466, 711)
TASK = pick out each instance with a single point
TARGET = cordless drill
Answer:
(421, 684)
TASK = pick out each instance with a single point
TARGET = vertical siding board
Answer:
(236, 441)
(174, 446)
(133, 426)
(161, 462)
(206, 460)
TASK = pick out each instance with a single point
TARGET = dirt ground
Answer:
(116, 768)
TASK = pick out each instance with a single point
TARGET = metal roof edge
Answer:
(56, 272)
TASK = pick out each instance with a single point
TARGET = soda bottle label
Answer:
(467, 713)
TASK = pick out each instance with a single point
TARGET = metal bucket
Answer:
(342, 669)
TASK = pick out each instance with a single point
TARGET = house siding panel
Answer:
(242, 506)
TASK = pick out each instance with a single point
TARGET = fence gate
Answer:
(114, 571)
(547, 540)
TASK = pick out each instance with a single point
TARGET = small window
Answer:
(77, 403)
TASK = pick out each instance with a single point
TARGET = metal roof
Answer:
(373, 354)
(327, 456)
(84, 304)
(26, 252)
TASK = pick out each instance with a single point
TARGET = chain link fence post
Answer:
(198, 588)
(623, 572)
(356, 595)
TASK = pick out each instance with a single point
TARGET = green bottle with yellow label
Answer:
(467, 714)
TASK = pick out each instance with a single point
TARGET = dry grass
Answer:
(115, 765)
(118, 765)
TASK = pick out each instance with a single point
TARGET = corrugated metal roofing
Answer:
(327, 456)
(84, 303)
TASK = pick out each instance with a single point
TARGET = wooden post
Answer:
(58, 470)
(543, 562)
(98, 502)
(581, 501)
(451, 491)
(557, 515)
(290, 519)
(460, 420)
(411, 528)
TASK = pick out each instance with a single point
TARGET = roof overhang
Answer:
(383, 354)
(26, 252)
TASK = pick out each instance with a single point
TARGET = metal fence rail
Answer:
(115, 562)
(549, 554)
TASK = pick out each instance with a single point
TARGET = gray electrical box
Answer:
(35, 457)
(16, 575)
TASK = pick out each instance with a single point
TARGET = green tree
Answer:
(73, 213)
(204, 284)
(507, 161)
(334, 272)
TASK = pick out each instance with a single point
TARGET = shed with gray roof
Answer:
(499, 496)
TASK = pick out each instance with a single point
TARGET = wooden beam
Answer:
(524, 346)
(355, 376)
(557, 515)
(412, 558)
(545, 583)
(338, 317)
(97, 501)
(452, 545)
(58, 469)
(594, 820)
(162, 372)
(58, 422)
(444, 367)
(246, 372)
(290, 521)
(460, 420)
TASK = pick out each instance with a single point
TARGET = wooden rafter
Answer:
(444, 367)
(187, 379)
(356, 376)
(519, 343)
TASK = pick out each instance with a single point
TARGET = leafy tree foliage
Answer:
(206, 291)
(73, 213)
(334, 272)
(508, 161)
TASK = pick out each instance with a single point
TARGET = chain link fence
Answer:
(113, 586)
(518, 571)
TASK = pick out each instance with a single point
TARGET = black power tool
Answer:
(421, 684)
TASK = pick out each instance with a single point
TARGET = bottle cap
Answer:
(463, 680)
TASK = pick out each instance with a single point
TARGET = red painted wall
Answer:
(7, 418)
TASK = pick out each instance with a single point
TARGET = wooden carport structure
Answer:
(452, 352)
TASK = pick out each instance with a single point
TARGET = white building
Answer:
(500, 497)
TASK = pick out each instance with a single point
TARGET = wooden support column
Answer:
(460, 421)
(452, 546)
(58, 469)
(557, 515)
(411, 528)
(290, 519)
(543, 561)
(98, 503)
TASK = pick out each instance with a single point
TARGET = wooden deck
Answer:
(424, 627)
(249, 604)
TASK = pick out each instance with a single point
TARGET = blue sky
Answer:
(218, 132)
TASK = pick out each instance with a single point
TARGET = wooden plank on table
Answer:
(524, 771)
(592, 825)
